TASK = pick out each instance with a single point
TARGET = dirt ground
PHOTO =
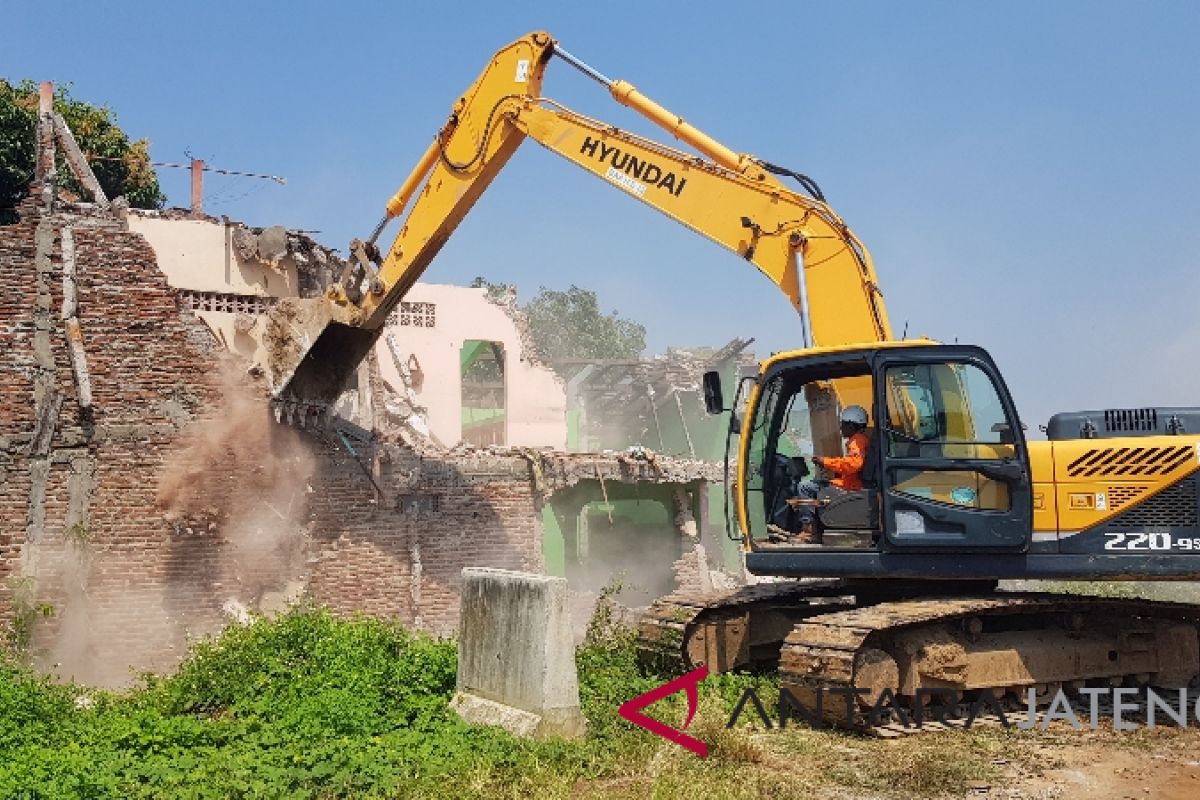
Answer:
(994, 763)
(1102, 766)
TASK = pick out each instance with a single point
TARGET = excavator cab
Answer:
(903, 598)
(946, 470)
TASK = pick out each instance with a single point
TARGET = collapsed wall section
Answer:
(398, 546)
(174, 500)
(147, 495)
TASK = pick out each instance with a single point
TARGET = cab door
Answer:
(953, 467)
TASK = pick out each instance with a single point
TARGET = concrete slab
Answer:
(516, 657)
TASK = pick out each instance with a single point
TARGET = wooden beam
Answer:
(79, 166)
(74, 334)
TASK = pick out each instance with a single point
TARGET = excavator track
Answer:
(999, 642)
(734, 629)
(745, 627)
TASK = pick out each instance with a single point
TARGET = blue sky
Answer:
(1024, 173)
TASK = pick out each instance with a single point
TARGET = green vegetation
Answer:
(570, 324)
(26, 611)
(310, 706)
(122, 166)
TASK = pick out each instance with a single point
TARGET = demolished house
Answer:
(147, 493)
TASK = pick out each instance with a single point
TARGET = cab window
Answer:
(952, 412)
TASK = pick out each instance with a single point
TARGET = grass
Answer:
(1172, 591)
(311, 706)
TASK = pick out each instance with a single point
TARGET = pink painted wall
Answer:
(535, 396)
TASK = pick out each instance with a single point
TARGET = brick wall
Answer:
(141, 522)
(77, 524)
(176, 502)
(402, 553)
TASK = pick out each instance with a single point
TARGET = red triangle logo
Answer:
(632, 710)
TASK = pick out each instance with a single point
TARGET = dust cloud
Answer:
(232, 499)
(245, 478)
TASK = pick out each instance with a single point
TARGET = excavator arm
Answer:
(793, 238)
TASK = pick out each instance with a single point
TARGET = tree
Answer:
(570, 325)
(121, 166)
(496, 291)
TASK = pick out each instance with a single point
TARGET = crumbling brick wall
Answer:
(76, 509)
(174, 501)
(85, 530)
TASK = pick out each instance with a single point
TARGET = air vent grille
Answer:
(1128, 420)
(1174, 507)
(1132, 461)
(1121, 495)
(229, 303)
(414, 315)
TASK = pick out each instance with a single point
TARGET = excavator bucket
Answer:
(312, 349)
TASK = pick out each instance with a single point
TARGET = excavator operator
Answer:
(846, 471)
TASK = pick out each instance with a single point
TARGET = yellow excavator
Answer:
(900, 595)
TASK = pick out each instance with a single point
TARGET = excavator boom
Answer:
(793, 238)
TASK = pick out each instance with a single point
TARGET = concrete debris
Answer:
(654, 401)
(507, 300)
(244, 323)
(273, 245)
(401, 403)
(245, 243)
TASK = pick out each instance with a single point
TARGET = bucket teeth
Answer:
(301, 415)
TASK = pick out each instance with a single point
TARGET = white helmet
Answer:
(855, 414)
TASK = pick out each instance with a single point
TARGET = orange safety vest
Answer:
(848, 468)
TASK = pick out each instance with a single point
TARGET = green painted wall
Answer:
(553, 544)
(574, 429)
(679, 421)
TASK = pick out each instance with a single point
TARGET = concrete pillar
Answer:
(516, 657)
